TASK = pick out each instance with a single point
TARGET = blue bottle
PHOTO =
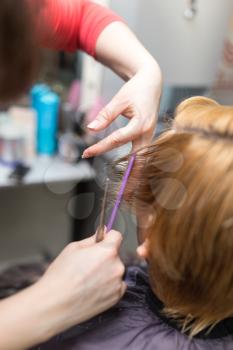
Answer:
(47, 108)
(36, 92)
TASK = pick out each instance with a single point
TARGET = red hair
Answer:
(185, 179)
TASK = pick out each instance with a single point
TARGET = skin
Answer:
(143, 250)
(138, 100)
(66, 295)
(145, 219)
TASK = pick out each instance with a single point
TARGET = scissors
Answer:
(101, 229)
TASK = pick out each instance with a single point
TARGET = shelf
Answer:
(50, 170)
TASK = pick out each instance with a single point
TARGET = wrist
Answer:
(151, 68)
(54, 308)
(40, 319)
(46, 313)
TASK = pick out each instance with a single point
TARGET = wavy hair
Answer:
(183, 182)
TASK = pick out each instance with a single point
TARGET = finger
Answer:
(142, 141)
(88, 242)
(116, 139)
(107, 116)
(148, 128)
(113, 239)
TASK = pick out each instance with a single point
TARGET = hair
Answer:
(18, 49)
(184, 180)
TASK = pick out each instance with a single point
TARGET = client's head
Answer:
(182, 192)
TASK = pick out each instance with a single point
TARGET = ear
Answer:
(143, 249)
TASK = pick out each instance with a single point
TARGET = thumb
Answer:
(106, 116)
(88, 242)
(112, 239)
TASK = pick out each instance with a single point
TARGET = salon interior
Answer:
(50, 197)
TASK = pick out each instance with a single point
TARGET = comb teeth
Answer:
(121, 193)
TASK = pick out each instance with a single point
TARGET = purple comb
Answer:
(121, 193)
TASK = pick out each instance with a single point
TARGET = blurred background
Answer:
(48, 194)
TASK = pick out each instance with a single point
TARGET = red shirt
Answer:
(72, 24)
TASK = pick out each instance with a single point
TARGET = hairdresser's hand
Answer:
(138, 101)
(85, 280)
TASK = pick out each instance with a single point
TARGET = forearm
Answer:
(119, 49)
(23, 321)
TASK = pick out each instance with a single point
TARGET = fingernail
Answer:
(85, 155)
(94, 125)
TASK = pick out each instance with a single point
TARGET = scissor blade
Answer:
(101, 229)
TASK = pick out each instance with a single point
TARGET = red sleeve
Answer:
(72, 24)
